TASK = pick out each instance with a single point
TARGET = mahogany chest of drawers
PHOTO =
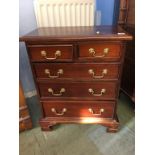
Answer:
(77, 71)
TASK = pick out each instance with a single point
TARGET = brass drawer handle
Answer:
(104, 72)
(105, 52)
(91, 111)
(59, 114)
(47, 71)
(50, 90)
(90, 90)
(57, 54)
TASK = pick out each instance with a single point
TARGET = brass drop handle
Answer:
(57, 54)
(92, 52)
(47, 71)
(91, 111)
(50, 90)
(91, 72)
(59, 114)
(90, 90)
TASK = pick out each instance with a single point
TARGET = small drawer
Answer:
(51, 52)
(83, 90)
(89, 71)
(100, 51)
(79, 109)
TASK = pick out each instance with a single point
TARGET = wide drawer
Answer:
(89, 71)
(100, 51)
(85, 90)
(79, 109)
(51, 52)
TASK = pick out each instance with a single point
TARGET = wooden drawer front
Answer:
(79, 109)
(25, 124)
(93, 90)
(51, 53)
(23, 113)
(77, 71)
(98, 51)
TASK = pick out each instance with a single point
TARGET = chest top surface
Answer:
(77, 33)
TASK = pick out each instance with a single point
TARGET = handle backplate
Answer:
(47, 71)
(62, 90)
(93, 52)
(104, 72)
(92, 112)
(59, 114)
(57, 54)
(90, 90)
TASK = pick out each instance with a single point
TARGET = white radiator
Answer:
(57, 13)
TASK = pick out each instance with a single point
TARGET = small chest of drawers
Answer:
(77, 73)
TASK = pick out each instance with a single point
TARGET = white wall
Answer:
(27, 23)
